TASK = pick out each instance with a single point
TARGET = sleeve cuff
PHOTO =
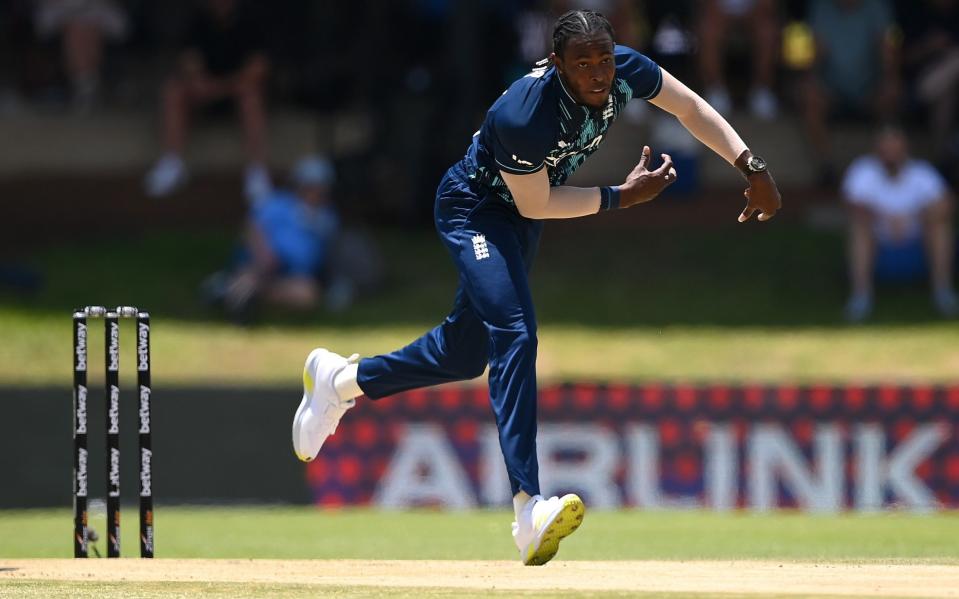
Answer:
(656, 88)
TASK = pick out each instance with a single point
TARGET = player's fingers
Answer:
(671, 176)
(644, 159)
(665, 167)
(767, 214)
(746, 213)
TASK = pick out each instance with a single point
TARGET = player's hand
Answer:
(762, 196)
(642, 184)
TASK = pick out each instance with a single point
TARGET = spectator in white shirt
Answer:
(896, 203)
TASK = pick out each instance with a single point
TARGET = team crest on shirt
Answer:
(480, 249)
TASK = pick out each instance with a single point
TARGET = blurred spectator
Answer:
(672, 44)
(897, 202)
(855, 73)
(672, 40)
(223, 60)
(760, 19)
(931, 62)
(534, 24)
(287, 247)
(84, 25)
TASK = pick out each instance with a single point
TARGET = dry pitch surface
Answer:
(681, 577)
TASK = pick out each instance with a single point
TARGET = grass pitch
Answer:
(311, 533)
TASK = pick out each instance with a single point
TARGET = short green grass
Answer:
(307, 532)
(726, 304)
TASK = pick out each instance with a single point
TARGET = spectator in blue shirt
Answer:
(288, 241)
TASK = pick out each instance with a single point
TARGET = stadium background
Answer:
(693, 360)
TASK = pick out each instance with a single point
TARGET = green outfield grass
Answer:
(305, 532)
(730, 304)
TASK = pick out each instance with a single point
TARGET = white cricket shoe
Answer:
(543, 523)
(321, 408)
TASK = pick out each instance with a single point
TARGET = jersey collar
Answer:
(571, 111)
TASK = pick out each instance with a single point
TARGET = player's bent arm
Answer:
(699, 118)
(535, 199)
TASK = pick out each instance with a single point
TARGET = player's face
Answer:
(588, 68)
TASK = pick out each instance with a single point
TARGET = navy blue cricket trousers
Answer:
(492, 322)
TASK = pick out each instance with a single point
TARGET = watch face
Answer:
(757, 164)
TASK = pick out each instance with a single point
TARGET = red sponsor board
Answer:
(815, 448)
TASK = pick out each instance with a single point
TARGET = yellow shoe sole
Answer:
(564, 524)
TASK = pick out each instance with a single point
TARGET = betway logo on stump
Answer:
(113, 413)
(81, 414)
(114, 473)
(144, 411)
(81, 347)
(143, 346)
(81, 473)
(114, 349)
(146, 473)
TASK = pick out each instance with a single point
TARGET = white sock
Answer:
(519, 502)
(345, 383)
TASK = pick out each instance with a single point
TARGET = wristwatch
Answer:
(754, 166)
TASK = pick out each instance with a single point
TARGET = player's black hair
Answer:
(578, 22)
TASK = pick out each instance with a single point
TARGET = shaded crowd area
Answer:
(120, 117)
(402, 68)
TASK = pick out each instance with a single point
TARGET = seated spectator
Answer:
(84, 25)
(223, 61)
(759, 18)
(931, 60)
(896, 203)
(288, 243)
(855, 73)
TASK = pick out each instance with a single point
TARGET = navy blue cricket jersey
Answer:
(536, 124)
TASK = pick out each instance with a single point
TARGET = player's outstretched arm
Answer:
(536, 199)
(709, 127)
